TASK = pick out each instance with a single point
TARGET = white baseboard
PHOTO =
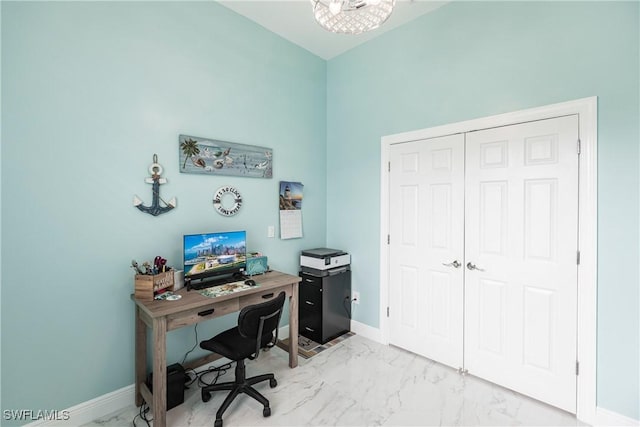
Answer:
(92, 409)
(374, 334)
(369, 332)
(605, 417)
(101, 406)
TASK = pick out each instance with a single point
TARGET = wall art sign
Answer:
(213, 157)
(227, 201)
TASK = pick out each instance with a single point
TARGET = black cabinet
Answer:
(325, 304)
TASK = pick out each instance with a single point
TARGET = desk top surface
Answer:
(193, 299)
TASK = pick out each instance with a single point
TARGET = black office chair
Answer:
(256, 324)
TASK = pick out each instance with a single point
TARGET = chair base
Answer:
(239, 386)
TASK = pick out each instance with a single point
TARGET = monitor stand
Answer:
(213, 281)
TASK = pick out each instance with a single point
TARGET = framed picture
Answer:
(213, 157)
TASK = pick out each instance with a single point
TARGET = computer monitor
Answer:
(211, 256)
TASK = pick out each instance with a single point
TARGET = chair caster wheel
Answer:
(266, 412)
(217, 423)
(273, 383)
(205, 398)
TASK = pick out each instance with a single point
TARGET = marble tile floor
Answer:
(361, 383)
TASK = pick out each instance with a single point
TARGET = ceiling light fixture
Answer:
(351, 16)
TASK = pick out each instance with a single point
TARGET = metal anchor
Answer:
(155, 209)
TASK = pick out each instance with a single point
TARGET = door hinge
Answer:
(579, 148)
(388, 239)
(389, 166)
(387, 311)
(577, 368)
(578, 258)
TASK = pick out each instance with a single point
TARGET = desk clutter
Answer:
(154, 282)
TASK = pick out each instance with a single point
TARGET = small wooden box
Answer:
(146, 285)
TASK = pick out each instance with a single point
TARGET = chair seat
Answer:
(232, 345)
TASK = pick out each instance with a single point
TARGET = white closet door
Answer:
(521, 232)
(426, 248)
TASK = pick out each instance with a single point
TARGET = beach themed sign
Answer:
(213, 157)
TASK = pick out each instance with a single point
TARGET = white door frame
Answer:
(587, 111)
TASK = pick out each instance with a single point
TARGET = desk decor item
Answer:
(213, 157)
(256, 265)
(147, 286)
(227, 201)
(155, 209)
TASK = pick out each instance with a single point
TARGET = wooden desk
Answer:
(164, 316)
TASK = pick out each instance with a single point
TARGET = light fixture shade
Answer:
(354, 17)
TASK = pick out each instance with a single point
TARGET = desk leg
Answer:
(293, 327)
(160, 372)
(141, 355)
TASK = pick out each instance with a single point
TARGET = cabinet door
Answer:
(336, 305)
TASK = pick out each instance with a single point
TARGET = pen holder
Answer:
(147, 286)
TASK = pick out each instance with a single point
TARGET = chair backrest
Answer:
(258, 321)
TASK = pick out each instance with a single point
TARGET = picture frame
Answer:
(206, 156)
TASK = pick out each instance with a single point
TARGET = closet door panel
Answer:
(521, 212)
(426, 237)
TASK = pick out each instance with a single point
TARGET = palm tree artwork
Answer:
(189, 148)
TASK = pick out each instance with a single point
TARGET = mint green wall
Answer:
(90, 91)
(474, 59)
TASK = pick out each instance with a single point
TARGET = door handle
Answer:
(454, 264)
(473, 267)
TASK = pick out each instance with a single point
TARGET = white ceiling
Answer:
(293, 20)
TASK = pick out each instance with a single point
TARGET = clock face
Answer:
(227, 201)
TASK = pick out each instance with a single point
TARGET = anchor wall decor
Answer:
(155, 209)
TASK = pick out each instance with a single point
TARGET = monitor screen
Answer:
(214, 254)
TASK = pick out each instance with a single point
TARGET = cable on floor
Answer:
(144, 409)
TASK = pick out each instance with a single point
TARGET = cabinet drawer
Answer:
(310, 325)
(310, 297)
(189, 317)
(263, 296)
(310, 280)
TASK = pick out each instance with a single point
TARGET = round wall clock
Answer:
(227, 201)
